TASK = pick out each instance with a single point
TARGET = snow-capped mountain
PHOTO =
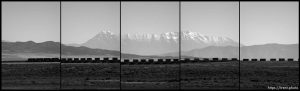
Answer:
(104, 40)
(196, 40)
(155, 44)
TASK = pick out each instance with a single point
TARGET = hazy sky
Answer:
(211, 18)
(269, 22)
(261, 22)
(150, 17)
(83, 20)
(36, 21)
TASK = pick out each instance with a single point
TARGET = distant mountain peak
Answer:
(186, 35)
(106, 32)
(30, 41)
(206, 38)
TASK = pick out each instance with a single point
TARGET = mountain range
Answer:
(165, 45)
(255, 51)
(271, 51)
(153, 44)
(193, 44)
(24, 50)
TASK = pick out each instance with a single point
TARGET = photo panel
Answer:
(30, 45)
(130, 45)
(269, 45)
(90, 45)
(149, 45)
(209, 45)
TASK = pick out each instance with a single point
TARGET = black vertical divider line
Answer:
(60, 45)
(179, 45)
(239, 45)
(298, 40)
(1, 40)
(120, 47)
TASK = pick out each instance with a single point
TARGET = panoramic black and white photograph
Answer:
(269, 39)
(210, 32)
(90, 47)
(30, 30)
(150, 45)
(149, 33)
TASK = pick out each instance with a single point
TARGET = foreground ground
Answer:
(206, 75)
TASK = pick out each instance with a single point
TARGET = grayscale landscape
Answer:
(235, 45)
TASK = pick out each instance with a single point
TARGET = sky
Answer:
(261, 22)
(150, 17)
(35, 21)
(269, 22)
(83, 20)
(211, 18)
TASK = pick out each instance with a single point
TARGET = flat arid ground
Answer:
(30, 75)
(154, 76)
(260, 75)
(90, 75)
(210, 75)
(205, 75)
